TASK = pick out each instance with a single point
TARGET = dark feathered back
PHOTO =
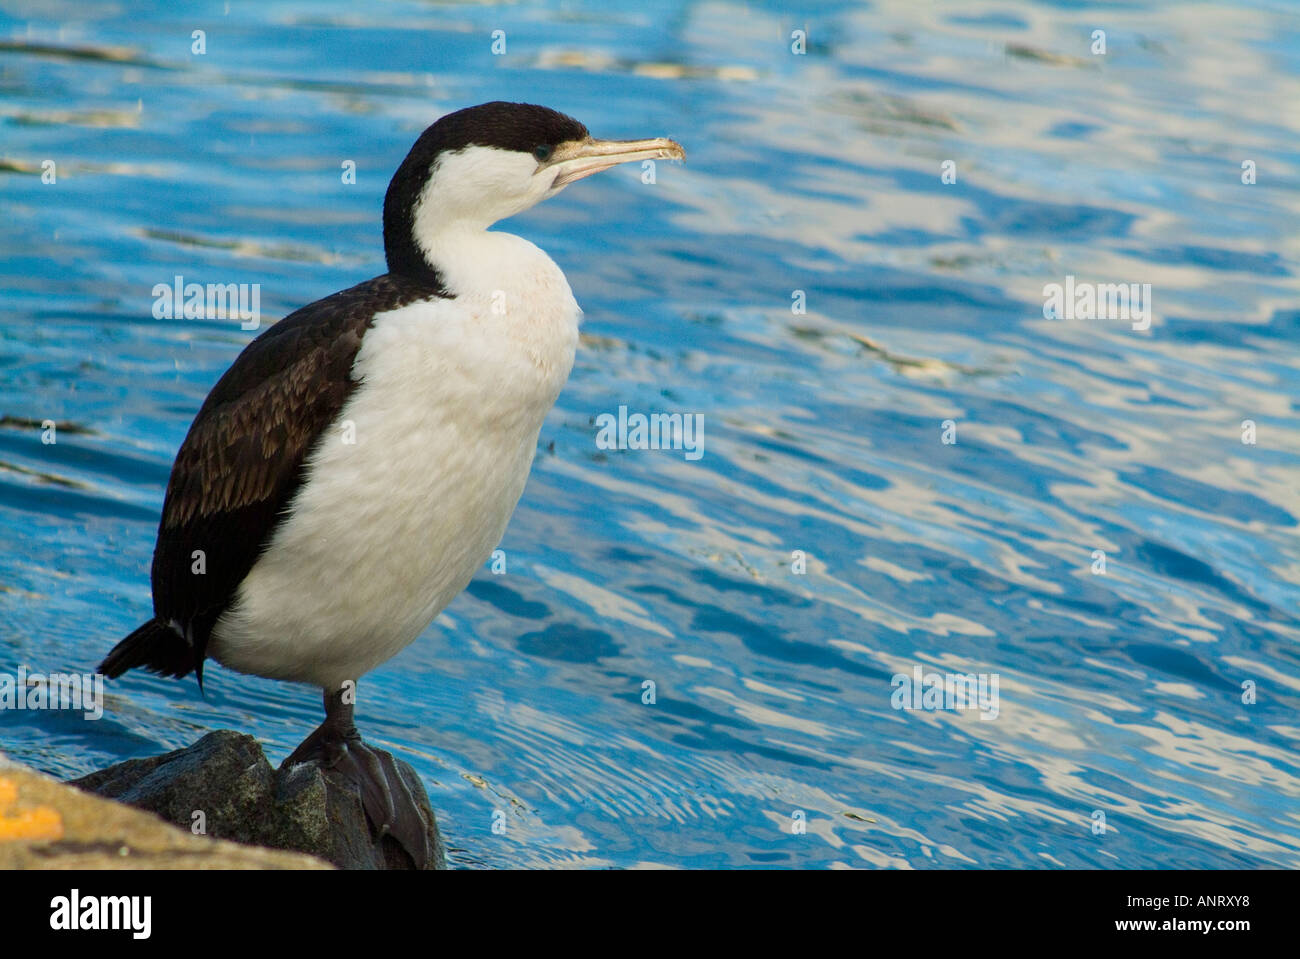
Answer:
(242, 462)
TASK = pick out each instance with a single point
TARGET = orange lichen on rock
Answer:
(27, 824)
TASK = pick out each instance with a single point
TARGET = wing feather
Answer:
(242, 460)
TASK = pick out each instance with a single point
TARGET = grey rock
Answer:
(46, 824)
(227, 779)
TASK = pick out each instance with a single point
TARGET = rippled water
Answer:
(1119, 693)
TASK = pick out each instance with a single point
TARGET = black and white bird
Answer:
(360, 460)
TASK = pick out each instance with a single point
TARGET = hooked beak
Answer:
(581, 158)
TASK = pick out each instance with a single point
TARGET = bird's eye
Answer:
(543, 152)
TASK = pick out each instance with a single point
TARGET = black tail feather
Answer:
(154, 646)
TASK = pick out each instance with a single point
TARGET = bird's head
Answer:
(482, 164)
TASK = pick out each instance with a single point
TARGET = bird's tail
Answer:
(155, 646)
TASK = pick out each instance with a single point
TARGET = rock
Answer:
(46, 824)
(225, 782)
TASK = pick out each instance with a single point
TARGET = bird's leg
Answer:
(328, 743)
(387, 800)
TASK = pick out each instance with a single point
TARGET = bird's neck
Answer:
(472, 262)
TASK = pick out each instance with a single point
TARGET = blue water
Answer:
(1120, 693)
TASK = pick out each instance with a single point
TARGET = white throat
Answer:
(473, 188)
(502, 281)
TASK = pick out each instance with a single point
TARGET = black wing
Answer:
(241, 462)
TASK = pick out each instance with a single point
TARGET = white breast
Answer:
(386, 531)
